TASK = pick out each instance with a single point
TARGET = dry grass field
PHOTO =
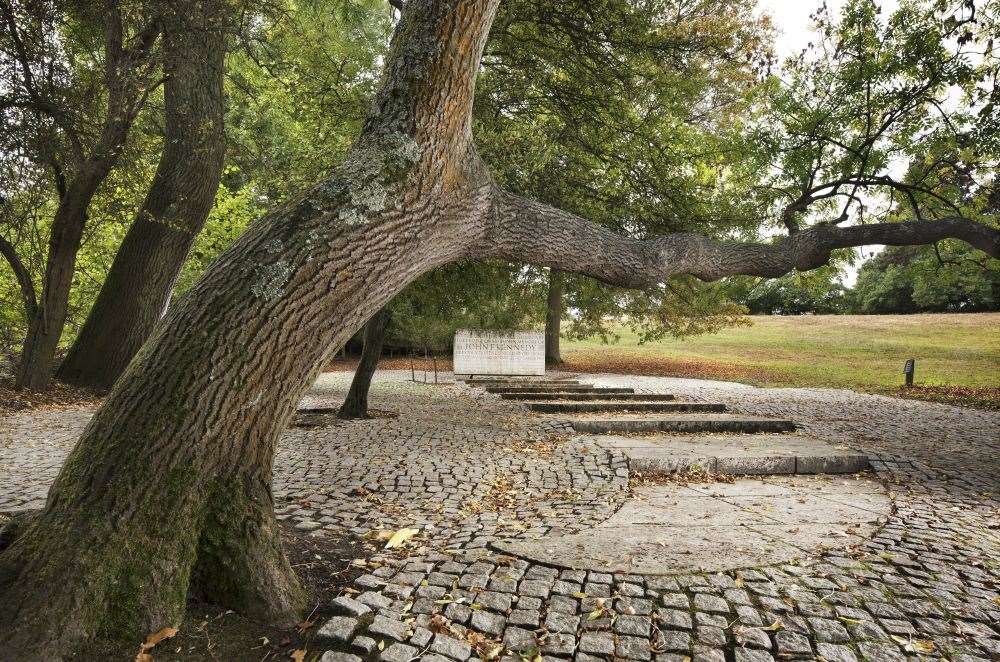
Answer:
(958, 356)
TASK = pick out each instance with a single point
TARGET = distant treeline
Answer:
(908, 279)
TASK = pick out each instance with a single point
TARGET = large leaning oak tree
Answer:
(168, 491)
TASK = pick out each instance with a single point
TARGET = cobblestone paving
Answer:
(465, 468)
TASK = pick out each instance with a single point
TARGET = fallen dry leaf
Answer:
(774, 627)
(158, 636)
(151, 641)
(299, 654)
(400, 537)
(915, 645)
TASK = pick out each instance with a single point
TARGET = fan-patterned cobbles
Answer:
(465, 468)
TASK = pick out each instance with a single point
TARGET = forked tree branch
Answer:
(525, 230)
(23, 277)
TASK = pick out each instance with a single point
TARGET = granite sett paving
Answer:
(468, 468)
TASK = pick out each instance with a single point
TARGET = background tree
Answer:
(286, 59)
(920, 279)
(680, 307)
(871, 114)
(629, 114)
(497, 296)
(819, 291)
(299, 86)
(355, 404)
(75, 79)
(886, 118)
(424, 317)
(138, 286)
(300, 77)
(554, 310)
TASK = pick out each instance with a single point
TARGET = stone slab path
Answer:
(679, 528)
(469, 469)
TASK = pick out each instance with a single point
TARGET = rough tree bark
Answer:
(125, 81)
(135, 294)
(356, 403)
(553, 317)
(169, 488)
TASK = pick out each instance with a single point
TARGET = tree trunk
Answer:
(169, 488)
(553, 317)
(46, 326)
(135, 294)
(356, 403)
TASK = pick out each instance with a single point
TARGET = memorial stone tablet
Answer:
(499, 353)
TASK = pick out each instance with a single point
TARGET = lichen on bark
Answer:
(269, 279)
(375, 172)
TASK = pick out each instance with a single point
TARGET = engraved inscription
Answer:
(499, 353)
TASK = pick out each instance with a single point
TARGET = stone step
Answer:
(541, 385)
(566, 407)
(314, 417)
(582, 388)
(592, 395)
(522, 382)
(317, 410)
(733, 423)
(739, 455)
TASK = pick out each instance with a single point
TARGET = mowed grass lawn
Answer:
(864, 352)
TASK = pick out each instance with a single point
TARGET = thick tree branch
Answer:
(525, 230)
(431, 79)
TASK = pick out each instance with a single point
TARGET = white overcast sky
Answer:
(794, 32)
(791, 18)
